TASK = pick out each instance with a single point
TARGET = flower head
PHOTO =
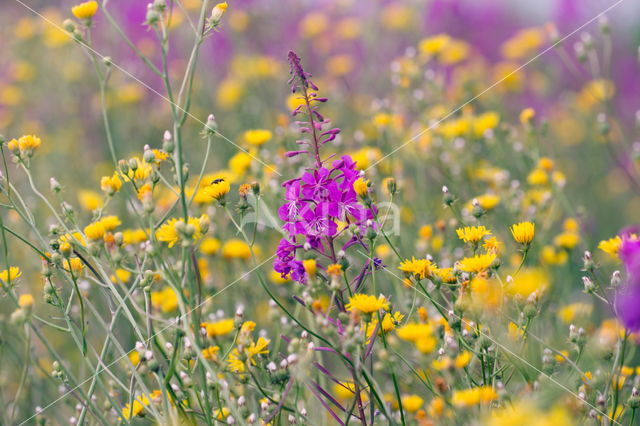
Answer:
(10, 274)
(523, 232)
(85, 10)
(257, 137)
(477, 263)
(367, 304)
(218, 189)
(472, 234)
(421, 268)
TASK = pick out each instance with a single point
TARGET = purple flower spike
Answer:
(323, 196)
(627, 303)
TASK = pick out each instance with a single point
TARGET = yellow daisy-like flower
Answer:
(367, 304)
(472, 234)
(235, 363)
(94, 231)
(523, 232)
(110, 184)
(26, 300)
(171, 231)
(421, 268)
(132, 410)
(211, 353)
(477, 263)
(25, 145)
(217, 189)
(219, 328)
(258, 348)
(492, 245)
(210, 246)
(445, 275)
(412, 403)
(257, 137)
(473, 396)
(10, 274)
(236, 249)
(361, 186)
(166, 300)
(85, 10)
(611, 246)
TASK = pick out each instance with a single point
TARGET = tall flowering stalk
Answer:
(324, 196)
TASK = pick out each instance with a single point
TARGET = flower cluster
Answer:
(322, 204)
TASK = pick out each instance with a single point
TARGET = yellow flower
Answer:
(488, 201)
(611, 246)
(477, 263)
(174, 229)
(472, 234)
(85, 10)
(110, 222)
(90, 200)
(210, 246)
(523, 232)
(257, 137)
(412, 403)
(433, 45)
(366, 303)
(134, 236)
(132, 410)
(166, 299)
(236, 249)
(26, 300)
(421, 268)
(538, 177)
(94, 231)
(426, 232)
(567, 240)
(526, 115)
(492, 245)
(445, 275)
(26, 145)
(473, 396)
(218, 189)
(569, 313)
(10, 274)
(73, 265)
(141, 172)
(528, 281)
(240, 163)
(257, 348)
(487, 121)
(551, 256)
(120, 275)
(390, 321)
(463, 359)
(361, 186)
(110, 184)
(310, 267)
(211, 353)
(235, 363)
(334, 270)
(219, 328)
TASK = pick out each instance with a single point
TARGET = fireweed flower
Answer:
(627, 300)
(324, 195)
